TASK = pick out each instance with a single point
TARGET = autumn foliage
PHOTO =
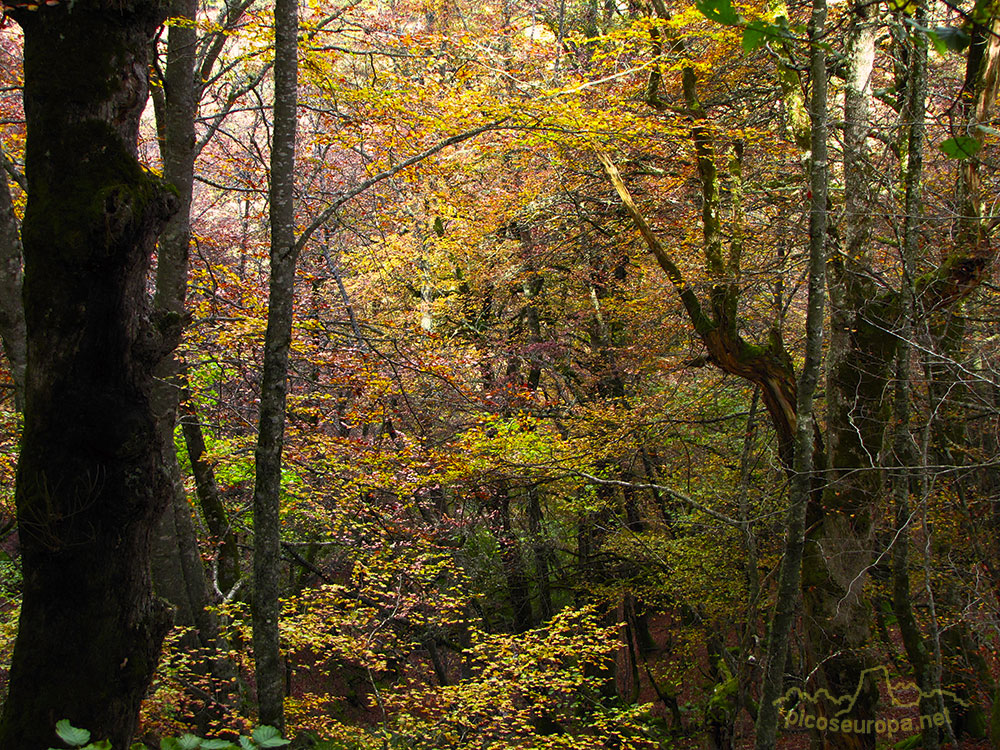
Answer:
(529, 498)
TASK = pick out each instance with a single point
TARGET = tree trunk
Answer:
(804, 447)
(178, 575)
(541, 553)
(89, 480)
(903, 447)
(860, 355)
(512, 561)
(227, 566)
(12, 332)
(274, 383)
(178, 571)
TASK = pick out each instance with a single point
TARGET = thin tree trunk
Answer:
(909, 628)
(274, 383)
(227, 567)
(178, 571)
(802, 476)
(512, 561)
(12, 333)
(541, 554)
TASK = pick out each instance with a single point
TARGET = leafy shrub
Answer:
(261, 737)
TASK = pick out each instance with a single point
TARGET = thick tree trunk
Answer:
(860, 355)
(89, 480)
(274, 382)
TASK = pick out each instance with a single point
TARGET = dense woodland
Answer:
(559, 374)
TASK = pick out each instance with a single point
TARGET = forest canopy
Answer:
(564, 374)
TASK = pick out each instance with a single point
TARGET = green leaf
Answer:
(939, 44)
(944, 38)
(219, 745)
(982, 12)
(169, 743)
(247, 744)
(720, 11)
(71, 735)
(757, 34)
(266, 736)
(102, 745)
(952, 37)
(189, 742)
(907, 7)
(961, 147)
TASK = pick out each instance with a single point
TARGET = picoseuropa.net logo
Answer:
(823, 712)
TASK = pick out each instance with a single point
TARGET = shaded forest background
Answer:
(549, 312)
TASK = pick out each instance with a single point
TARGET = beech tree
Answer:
(486, 406)
(89, 475)
(274, 380)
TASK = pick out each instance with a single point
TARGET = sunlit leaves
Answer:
(541, 689)
(758, 33)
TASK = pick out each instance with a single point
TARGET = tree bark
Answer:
(804, 450)
(227, 568)
(274, 383)
(176, 560)
(178, 571)
(903, 447)
(12, 332)
(90, 479)
(860, 355)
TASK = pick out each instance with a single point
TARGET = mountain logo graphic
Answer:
(799, 707)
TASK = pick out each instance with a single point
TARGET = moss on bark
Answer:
(90, 628)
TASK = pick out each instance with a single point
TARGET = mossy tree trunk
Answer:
(89, 480)
(862, 345)
(802, 481)
(904, 448)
